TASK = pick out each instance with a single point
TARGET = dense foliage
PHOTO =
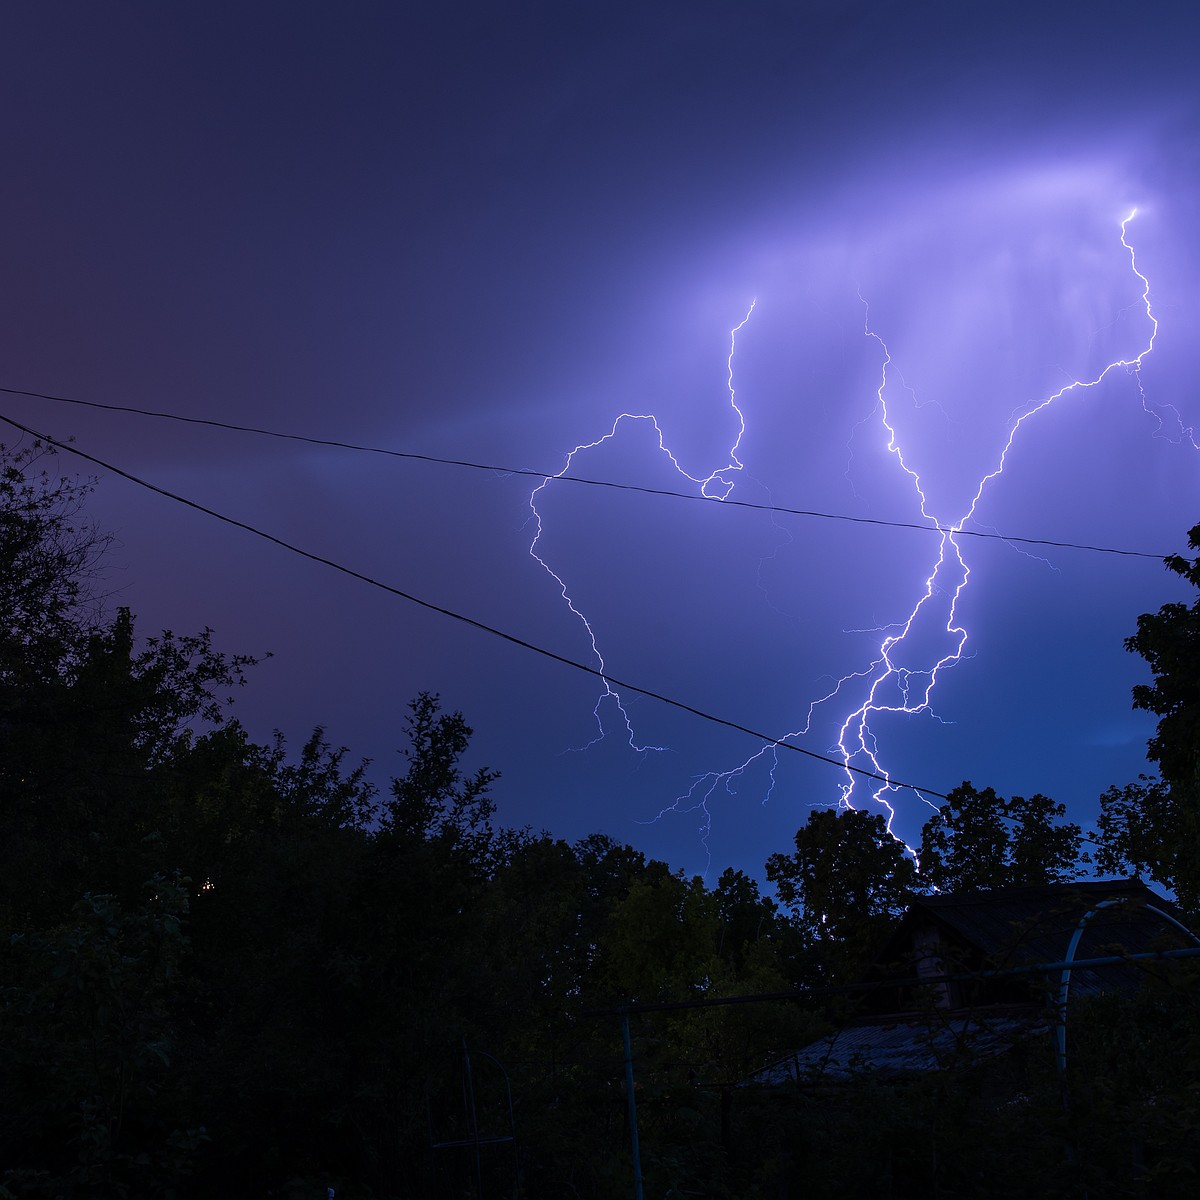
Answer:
(229, 968)
(1154, 825)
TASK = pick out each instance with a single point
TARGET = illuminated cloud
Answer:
(483, 234)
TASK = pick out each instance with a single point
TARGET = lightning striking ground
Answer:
(914, 651)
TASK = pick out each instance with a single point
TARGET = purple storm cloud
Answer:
(484, 234)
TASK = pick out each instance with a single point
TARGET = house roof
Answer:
(1015, 926)
(905, 1044)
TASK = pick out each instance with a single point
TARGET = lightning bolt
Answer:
(904, 671)
(716, 485)
(913, 652)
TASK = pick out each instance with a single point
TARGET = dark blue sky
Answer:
(484, 231)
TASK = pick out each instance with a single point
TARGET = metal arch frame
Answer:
(1060, 1030)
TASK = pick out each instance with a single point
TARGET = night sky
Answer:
(482, 231)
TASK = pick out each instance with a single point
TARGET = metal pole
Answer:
(470, 1081)
(633, 1121)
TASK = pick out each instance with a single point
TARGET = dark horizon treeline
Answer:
(230, 969)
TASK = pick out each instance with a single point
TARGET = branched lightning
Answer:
(914, 651)
(716, 485)
(901, 677)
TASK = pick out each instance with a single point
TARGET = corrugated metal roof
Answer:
(894, 1047)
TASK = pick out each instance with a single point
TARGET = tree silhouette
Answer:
(846, 880)
(978, 840)
(1154, 825)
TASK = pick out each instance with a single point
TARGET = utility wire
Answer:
(447, 612)
(623, 487)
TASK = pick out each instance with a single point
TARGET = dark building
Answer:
(973, 951)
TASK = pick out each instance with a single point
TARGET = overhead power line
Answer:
(456, 616)
(622, 487)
